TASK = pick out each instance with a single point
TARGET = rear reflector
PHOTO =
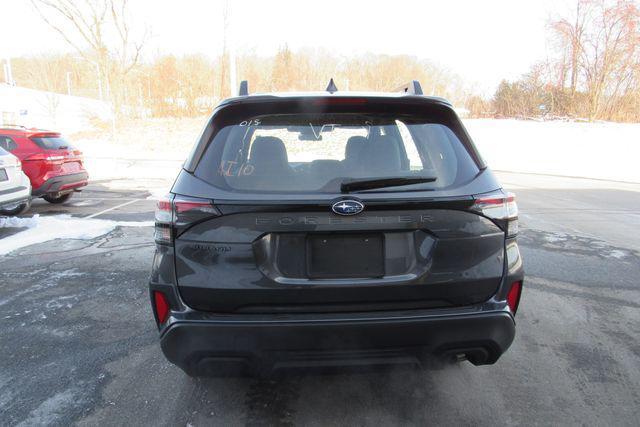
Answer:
(513, 297)
(162, 307)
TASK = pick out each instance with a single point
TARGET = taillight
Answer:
(513, 297)
(499, 206)
(175, 212)
(189, 210)
(162, 306)
(164, 220)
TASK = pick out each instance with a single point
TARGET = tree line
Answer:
(188, 85)
(592, 74)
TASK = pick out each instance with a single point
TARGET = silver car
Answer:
(15, 188)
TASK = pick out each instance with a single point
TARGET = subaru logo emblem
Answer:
(347, 207)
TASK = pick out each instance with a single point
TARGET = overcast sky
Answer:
(483, 41)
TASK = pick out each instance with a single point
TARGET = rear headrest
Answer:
(354, 147)
(268, 152)
(382, 156)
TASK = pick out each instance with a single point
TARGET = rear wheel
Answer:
(57, 199)
(17, 210)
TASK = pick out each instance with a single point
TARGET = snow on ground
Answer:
(144, 155)
(152, 148)
(590, 150)
(15, 222)
(43, 229)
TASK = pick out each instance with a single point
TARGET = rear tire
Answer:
(18, 210)
(57, 200)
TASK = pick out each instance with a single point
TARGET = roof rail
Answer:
(411, 88)
(331, 87)
(244, 88)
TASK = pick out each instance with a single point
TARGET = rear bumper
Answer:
(62, 183)
(16, 196)
(212, 347)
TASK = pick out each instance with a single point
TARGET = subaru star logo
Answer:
(347, 207)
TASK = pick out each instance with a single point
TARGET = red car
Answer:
(54, 167)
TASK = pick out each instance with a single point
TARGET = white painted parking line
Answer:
(106, 198)
(113, 208)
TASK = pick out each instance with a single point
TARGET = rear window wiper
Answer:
(370, 184)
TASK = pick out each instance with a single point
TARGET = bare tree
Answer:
(610, 53)
(571, 32)
(602, 42)
(100, 32)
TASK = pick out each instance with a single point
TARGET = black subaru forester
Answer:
(328, 229)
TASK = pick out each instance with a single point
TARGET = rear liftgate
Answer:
(305, 258)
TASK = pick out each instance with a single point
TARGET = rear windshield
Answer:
(52, 143)
(319, 152)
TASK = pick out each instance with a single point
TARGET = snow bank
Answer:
(590, 150)
(43, 229)
(16, 222)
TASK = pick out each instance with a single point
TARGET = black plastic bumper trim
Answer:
(17, 201)
(52, 185)
(199, 346)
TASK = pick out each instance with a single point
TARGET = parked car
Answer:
(15, 189)
(54, 167)
(334, 228)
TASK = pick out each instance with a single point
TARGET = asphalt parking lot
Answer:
(79, 345)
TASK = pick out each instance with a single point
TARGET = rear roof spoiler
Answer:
(42, 133)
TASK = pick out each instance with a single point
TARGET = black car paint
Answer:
(423, 248)
(233, 307)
